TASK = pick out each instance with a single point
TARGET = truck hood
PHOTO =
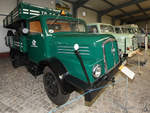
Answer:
(81, 38)
(89, 44)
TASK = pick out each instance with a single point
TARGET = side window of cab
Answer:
(35, 27)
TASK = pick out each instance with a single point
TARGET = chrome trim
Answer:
(113, 52)
(72, 47)
(73, 53)
(102, 39)
(70, 50)
(66, 52)
(105, 62)
(65, 49)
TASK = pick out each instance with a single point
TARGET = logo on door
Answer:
(34, 43)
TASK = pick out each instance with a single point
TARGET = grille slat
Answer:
(63, 49)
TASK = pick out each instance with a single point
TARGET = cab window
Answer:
(35, 27)
(65, 26)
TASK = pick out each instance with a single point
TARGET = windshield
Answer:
(131, 31)
(106, 28)
(136, 30)
(65, 26)
(125, 30)
(117, 30)
(92, 29)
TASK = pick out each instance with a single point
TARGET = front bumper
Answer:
(100, 83)
(79, 84)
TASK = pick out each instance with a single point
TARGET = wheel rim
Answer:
(51, 85)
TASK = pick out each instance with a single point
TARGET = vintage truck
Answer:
(140, 34)
(53, 43)
(102, 28)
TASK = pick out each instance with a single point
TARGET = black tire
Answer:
(15, 58)
(10, 33)
(53, 87)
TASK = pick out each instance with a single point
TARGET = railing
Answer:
(25, 11)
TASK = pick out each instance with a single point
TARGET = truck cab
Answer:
(55, 44)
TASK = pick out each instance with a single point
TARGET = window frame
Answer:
(37, 31)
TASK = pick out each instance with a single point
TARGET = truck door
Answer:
(35, 41)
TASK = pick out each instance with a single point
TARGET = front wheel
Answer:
(54, 88)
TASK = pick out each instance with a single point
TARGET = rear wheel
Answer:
(14, 58)
(17, 58)
(54, 88)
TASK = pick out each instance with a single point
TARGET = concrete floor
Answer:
(20, 92)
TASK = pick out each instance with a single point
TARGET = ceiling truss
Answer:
(81, 3)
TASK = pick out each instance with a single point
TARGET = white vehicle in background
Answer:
(140, 34)
(122, 39)
(103, 28)
(131, 40)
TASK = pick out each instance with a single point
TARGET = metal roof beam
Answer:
(82, 6)
(80, 3)
(68, 1)
(103, 12)
(111, 4)
(132, 13)
(114, 6)
(137, 19)
(90, 9)
(141, 9)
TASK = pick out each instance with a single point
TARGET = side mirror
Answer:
(25, 31)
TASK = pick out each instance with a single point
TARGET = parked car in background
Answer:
(131, 40)
(102, 28)
(140, 33)
(122, 39)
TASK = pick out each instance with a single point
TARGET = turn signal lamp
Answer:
(63, 13)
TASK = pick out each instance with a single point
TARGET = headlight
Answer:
(97, 71)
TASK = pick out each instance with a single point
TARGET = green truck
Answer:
(53, 43)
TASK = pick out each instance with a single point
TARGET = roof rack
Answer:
(24, 11)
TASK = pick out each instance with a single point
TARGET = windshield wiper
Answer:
(55, 20)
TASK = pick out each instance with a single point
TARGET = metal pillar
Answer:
(99, 18)
(74, 10)
(113, 20)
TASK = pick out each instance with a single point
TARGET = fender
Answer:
(58, 69)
